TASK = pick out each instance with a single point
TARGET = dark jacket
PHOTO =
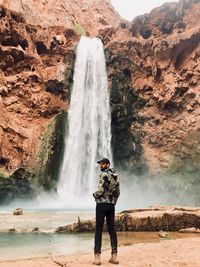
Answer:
(108, 189)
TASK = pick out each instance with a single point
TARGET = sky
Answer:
(129, 9)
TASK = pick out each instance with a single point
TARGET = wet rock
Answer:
(51, 152)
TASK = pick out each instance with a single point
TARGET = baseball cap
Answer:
(104, 160)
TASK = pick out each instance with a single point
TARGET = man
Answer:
(106, 197)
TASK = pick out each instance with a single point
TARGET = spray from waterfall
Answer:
(89, 134)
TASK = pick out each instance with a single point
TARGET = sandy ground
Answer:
(167, 253)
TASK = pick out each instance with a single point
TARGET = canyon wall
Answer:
(153, 67)
(153, 71)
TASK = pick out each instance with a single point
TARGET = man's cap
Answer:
(104, 160)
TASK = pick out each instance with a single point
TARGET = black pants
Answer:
(105, 210)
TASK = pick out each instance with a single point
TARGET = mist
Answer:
(137, 191)
(146, 190)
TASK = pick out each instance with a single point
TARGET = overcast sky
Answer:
(129, 9)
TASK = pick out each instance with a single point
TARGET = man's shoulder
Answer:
(104, 174)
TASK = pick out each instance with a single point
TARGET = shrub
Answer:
(79, 29)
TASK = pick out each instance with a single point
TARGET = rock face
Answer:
(154, 218)
(153, 66)
(37, 44)
(154, 76)
(91, 14)
(36, 73)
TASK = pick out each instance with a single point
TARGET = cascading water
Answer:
(89, 135)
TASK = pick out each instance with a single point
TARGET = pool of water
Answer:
(21, 246)
(45, 220)
(47, 242)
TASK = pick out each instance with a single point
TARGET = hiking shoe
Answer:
(97, 260)
(114, 259)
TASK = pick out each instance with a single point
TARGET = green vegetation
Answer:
(68, 80)
(79, 29)
(51, 152)
(15, 185)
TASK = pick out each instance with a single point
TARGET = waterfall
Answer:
(89, 135)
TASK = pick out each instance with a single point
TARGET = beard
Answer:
(103, 168)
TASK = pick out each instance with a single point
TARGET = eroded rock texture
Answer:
(91, 14)
(37, 52)
(152, 219)
(36, 73)
(153, 70)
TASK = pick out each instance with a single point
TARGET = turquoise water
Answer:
(45, 220)
(47, 242)
(24, 246)
(21, 246)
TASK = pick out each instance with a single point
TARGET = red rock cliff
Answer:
(37, 42)
(154, 72)
(153, 69)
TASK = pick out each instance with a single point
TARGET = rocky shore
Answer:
(155, 218)
(153, 76)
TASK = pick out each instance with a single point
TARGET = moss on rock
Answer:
(51, 152)
(15, 185)
(125, 106)
(25, 183)
(183, 173)
(186, 156)
(79, 29)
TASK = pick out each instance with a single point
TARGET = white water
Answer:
(89, 135)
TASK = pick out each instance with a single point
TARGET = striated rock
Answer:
(154, 218)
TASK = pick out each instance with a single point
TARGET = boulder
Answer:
(190, 230)
(18, 211)
(163, 234)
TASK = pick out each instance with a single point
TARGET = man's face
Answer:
(103, 166)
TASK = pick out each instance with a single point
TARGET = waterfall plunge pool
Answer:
(26, 246)
(15, 246)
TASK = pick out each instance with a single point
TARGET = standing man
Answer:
(106, 197)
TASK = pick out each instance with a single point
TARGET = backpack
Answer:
(113, 183)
